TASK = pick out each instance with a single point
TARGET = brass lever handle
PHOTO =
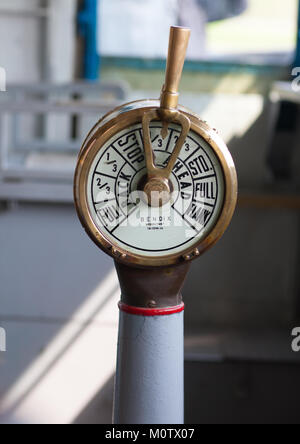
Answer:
(178, 44)
(158, 178)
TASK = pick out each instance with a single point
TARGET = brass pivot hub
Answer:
(157, 191)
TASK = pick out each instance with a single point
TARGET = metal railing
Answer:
(41, 130)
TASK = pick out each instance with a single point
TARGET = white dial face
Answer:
(119, 206)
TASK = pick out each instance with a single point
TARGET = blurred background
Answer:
(68, 62)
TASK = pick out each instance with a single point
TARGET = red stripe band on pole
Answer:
(151, 311)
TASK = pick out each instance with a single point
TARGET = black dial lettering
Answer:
(178, 166)
(109, 215)
(199, 166)
(206, 190)
(198, 213)
(129, 138)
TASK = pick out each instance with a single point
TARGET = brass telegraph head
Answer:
(154, 184)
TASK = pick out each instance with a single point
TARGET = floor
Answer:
(58, 301)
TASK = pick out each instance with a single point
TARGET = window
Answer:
(244, 30)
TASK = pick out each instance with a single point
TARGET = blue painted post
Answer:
(88, 27)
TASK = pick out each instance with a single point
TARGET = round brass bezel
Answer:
(120, 120)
